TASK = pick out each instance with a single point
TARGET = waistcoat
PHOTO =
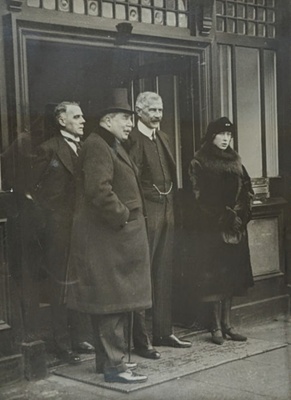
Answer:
(156, 168)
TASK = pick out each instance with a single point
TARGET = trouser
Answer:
(160, 221)
(109, 341)
(141, 339)
(70, 327)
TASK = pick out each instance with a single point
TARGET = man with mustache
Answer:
(150, 150)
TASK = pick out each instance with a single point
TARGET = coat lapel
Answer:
(64, 154)
(123, 154)
(116, 146)
(166, 146)
(125, 157)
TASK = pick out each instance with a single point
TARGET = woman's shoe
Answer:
(216, 336)
(237, 337)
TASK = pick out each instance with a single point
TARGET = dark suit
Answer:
(156, 169)
(54, 190)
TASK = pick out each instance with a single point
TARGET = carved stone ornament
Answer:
(124, 30)
(15, 5)
(205, 16)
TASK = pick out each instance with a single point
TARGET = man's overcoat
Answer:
(109, 268)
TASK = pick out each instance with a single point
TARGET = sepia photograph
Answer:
(145, 199)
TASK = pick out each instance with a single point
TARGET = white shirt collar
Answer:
(70, 136)
(145, 130)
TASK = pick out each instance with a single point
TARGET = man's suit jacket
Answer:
(136, 151)
(54, 190)
(54, 186)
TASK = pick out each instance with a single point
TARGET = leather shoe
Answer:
(148, 352)
(216, 336)
(125, 377)
(84, 348)
(70, 357)
(237, 337)
(171, 341)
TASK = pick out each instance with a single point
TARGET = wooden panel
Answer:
(249, 109)
(264, 245)
(271, 113)
(225, 80)
(4, 275)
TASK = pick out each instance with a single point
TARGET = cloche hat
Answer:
(219, 125)
(115, 101)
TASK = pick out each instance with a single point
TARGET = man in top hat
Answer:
(53, 189)
(109, 260)
(150, 150)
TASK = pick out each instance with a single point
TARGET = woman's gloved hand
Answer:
(237, 224)
(229, 221)
(228, 217)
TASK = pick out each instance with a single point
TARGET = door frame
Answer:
(22, 29)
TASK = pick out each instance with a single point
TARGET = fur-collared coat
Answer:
(109, 267)
(222, 197)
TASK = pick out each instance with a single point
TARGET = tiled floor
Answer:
(265, 376)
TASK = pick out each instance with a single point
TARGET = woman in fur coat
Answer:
(223, 195)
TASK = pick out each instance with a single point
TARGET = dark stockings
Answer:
(221, 314)
(221, 325)
(216, 317)
(216, 331)
(225, 313)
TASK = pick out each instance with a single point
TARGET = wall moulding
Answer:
(15, 5)
(204, 16)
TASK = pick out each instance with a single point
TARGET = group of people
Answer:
(109, 206)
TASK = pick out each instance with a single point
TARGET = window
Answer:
(172, 13)
(247, 92)
(246, 17)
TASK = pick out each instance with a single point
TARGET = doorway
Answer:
(58, 72)
(65, 71)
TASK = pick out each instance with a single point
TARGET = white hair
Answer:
(144, 99)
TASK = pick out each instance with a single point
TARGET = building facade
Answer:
(206, 58)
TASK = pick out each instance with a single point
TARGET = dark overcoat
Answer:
(109, 266)
(222, 198)
(53, 188)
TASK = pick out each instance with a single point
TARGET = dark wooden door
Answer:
(177, 80)
(84, 73)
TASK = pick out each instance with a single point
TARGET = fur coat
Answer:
(222, 200)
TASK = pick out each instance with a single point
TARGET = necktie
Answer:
(153, 136)
(78, 147)
(77, 144)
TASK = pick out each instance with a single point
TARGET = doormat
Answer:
(174, 363)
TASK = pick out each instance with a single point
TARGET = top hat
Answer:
(115, 101)
(222, 124)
